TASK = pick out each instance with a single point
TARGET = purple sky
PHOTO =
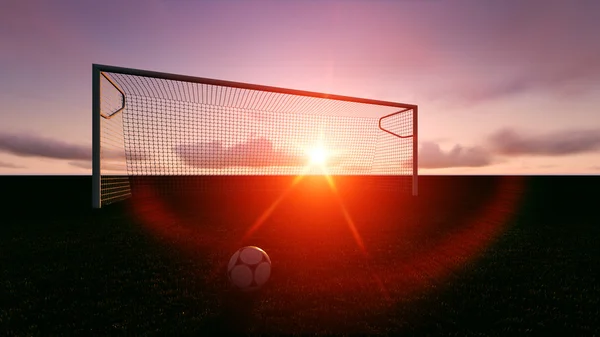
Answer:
(503, 87)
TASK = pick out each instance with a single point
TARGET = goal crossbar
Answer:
(127, 102)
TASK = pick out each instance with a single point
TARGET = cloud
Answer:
(26, 145)
(9, 165)
(566, 81)
(106, 166)
(498, 49)
(432, 156)
(257, 152)
(138, 154)
(81, 164)
(510, 142)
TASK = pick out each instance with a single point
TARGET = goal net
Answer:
(173, 128)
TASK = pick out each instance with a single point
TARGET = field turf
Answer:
(468, 256)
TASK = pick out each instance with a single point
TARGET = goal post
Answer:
(161, 125)
(96, 139)
(415, 152)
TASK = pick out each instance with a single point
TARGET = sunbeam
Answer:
(356, 235)
(347, 216)
(265, 215)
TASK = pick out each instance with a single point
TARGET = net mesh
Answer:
(189, 129)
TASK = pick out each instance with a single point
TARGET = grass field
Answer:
(468, 256)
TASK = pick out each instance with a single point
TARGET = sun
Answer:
(318, 155)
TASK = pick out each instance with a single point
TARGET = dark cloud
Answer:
(505, 48)
(120, 155)
(81, 164)
(257, 152)
(106, 166)
(9, 165)
(432, 156)
(566, 81)
(567, 142)
(26, 145)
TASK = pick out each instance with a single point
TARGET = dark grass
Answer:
(135, 269)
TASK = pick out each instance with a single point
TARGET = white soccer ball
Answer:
(249, 268)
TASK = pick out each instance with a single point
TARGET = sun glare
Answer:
(318, 156)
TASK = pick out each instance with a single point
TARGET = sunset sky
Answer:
(503, 87)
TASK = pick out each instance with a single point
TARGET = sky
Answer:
(503, 87)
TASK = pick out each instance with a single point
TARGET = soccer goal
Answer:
(154, 124)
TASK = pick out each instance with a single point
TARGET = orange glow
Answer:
(347, 216)
(423, 254)
(357, 237)
(265, 215)
(318, 156)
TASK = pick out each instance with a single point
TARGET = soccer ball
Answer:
(249, 268)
